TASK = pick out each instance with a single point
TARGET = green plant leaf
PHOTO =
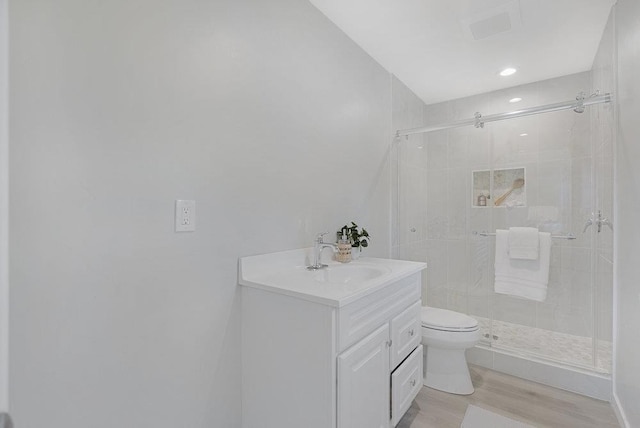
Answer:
(358, 238)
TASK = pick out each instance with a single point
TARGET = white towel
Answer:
(523, 243)
(522, 278)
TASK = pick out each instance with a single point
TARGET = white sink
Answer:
(343, 274)
(337, 285)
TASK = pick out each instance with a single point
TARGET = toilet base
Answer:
(446, 370)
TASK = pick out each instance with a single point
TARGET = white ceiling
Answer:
(428, 44)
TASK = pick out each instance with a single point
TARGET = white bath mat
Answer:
(475, 417)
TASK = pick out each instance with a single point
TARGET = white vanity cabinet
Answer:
(332, 362)
(365, 368)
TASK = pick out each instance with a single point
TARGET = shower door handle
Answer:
(599, 221)
(603, 221)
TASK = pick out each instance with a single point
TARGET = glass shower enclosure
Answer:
(455, 187)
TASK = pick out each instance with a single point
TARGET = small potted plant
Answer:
(359, 238)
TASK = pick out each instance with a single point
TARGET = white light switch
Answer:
(185, 216)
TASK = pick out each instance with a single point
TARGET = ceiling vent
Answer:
(492, 22)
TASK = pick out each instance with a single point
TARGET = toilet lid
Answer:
(443, 319)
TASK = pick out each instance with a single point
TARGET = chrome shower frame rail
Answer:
(568, 236)
(478, 121)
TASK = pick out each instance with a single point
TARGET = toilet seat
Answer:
(445, 320)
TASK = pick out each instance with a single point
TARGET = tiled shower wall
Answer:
(436, 220)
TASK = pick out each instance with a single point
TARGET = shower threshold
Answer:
(550, 345)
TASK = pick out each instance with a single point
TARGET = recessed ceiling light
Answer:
(507, 72)
(515, 100)
(524, 135)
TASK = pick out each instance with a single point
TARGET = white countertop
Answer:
(337, 285)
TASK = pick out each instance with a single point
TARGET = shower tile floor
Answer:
(560, 347)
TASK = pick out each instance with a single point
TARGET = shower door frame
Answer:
(479, 123)
(4, 206)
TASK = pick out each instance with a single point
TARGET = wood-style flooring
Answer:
(529, 402)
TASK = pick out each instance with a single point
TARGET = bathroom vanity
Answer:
(337, 347)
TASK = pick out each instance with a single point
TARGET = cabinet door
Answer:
(363, 383)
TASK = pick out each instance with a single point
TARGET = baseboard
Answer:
(617, 409)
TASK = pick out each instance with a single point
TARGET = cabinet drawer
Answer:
(406, 382)
(405, 333)
(358, 319)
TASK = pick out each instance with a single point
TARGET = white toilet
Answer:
(445, 336)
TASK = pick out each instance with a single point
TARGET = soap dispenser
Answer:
(344, 248)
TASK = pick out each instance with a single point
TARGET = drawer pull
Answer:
(389, 343)
(411, 333)
(413, 383)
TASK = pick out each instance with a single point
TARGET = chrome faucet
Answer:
(318, 246)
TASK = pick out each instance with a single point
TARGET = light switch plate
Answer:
(185, 215)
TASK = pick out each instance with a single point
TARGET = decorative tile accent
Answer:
(560, 347)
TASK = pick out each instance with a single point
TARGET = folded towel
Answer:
(523, 243)
(522, 278)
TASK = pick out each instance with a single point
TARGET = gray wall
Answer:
(263, 112)
(627, 363)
